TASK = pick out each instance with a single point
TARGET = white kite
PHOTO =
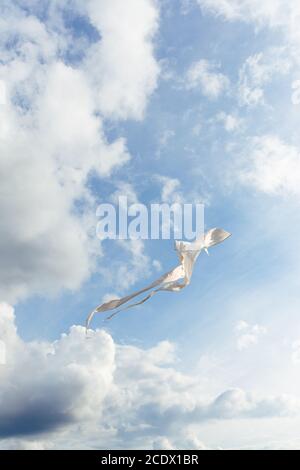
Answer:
(174, 280)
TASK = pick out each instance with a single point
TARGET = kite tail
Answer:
(140, 302)
(93, 312)
(173, 287)
(167, 287)
(89, 319)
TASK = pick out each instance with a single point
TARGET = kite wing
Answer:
(215, 236)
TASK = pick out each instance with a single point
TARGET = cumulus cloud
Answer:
(47, 155)
(206, 77)
(55, 92)
(49, 394)
(190, 442)
(272, 166)
(122, 67)
(95, 393)
(248, 335)
(237, 403)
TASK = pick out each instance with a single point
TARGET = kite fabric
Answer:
(172, 281)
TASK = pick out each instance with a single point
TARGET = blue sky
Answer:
(128, 97)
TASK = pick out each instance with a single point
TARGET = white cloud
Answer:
(122, 67)
(278, 14)
(236, 404)
(248, 335)
(262, 68)
(230, 122)
(250, 82)
(170, 189)
(271, 166)
(124, 189)
(257, 71)
(296, 92)
(205, 76)
(27, 444)
(43, 246)
(52, 134)
(286, 444)
(2, 93)
(94, 393)
(190, 442)
(245, 9)
(74, 134)
(47, 156)
(173, 192)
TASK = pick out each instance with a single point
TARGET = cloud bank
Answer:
(95, 393)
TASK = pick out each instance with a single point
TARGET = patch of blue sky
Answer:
(83, 34)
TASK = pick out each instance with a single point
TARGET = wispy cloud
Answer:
(259, 70)
(248, 335)
(206, 77)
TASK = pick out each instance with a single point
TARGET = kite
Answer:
(174, 280)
